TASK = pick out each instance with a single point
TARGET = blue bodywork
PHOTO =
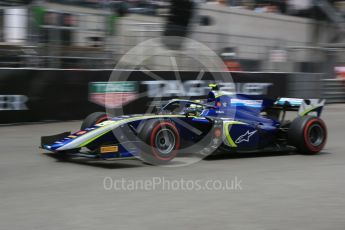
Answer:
(245, 126)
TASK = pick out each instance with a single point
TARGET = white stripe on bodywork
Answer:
(109, 126)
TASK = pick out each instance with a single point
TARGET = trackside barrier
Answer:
(334, 90)
(28, 95)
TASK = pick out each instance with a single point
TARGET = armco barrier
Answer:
(44, 94)
(334, 90)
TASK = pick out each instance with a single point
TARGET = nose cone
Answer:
(54, 146)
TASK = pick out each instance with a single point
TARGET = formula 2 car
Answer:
(224, 122)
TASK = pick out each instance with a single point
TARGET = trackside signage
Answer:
(13, 102)
(36, 95)
(200, 88)
(113, 94)
(117, 94)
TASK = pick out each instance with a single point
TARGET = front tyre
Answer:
(308, 134)
(93, 119)
(161, 141)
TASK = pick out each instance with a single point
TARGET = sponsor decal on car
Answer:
(247, 103)
(245, 137)
(109, 149)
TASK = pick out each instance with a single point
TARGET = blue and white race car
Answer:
(222, 122)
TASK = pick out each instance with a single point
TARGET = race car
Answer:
(224, 122)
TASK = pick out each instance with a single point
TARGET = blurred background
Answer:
(281, 36)
(250, 35)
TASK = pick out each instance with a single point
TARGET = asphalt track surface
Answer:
(281, 191)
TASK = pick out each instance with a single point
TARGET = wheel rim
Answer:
(165, 141)
(316, 135)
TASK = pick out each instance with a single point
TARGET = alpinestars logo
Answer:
(245, 137)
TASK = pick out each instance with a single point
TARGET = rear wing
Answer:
(312, 107)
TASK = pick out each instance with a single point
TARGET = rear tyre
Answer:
(93, 119)
(308, 134)
(161, 141)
